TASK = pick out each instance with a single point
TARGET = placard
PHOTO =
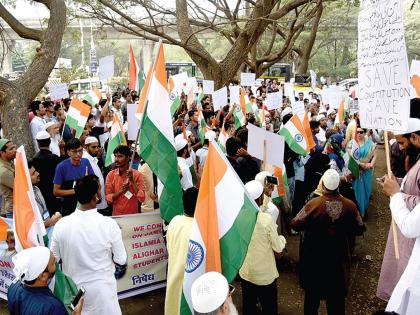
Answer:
(181, 82)
(274, 100)
(332, 95)
(313, 79)
(298, 108)
(220, 98)
(247, 79)
(288, 91)
(234, 94)
(59, 91)
(274, 145)
(208, 86)
(384, 100)
(133, 123)
(147, 255)
(106, 68)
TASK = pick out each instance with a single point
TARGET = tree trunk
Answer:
(16, 96)
(303, 63)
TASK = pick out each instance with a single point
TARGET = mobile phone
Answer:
(272, 180)
(77, 298)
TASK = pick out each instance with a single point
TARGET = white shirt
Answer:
(405, 299)
(88, 244)
(202, 156)
(94, 163)
(186, 179)
(321, 136)
(37, 124)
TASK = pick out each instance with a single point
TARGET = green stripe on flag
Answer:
(296, 147)
(160, 155)
(112, 144)
(175, 105)
(234, 244)
(73, 123)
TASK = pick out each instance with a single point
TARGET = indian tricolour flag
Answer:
(77, 116)
(202, 125)
(143, 95)
(116, 138)
(28, 224)
(295, 136)
(223, 223)
(93, 97)
(279, 190)
(339, 118)
(135, 74)
(157, 145)
(354, 157)
(174, 96)
(240, 111)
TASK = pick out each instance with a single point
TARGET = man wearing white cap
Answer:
(90, 152)
(52, 128)
(409, 186)
(211, 295)
(322, 129)
(203, 151)
(34, 268)
(331, 118)
(183, 153)
(329, 222)
(259, 272)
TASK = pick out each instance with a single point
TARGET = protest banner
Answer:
(181, 82)
(332, 95)
(247, 79)
(220, 98)
(106, 68)
(274, 100)
(265, 145)
(298, 108)
(147, 255)
(384, 100)
(208, 86)
(59, 91)
(7, 276)
(133, 123)
(288, 91)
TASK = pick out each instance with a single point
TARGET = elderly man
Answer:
(329, 223)
(393, 268)
(211, 295)
(89, 246)
(91, 152)
(259, 272)
(7, 175)
(38, 123)
(34, 269)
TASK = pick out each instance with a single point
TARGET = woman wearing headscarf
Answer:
(362, 186)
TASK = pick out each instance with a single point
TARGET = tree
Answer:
(243, 25)
(16, 96)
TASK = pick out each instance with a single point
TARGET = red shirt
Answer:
(124, 205)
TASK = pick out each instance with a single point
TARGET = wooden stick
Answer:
(388, 166)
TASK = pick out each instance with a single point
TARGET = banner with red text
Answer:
(147, 255)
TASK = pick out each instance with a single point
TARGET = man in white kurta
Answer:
(89, 245)
(405, 299)
(182, 151)
(178, 237)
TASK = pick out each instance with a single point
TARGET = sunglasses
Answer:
(360, 132)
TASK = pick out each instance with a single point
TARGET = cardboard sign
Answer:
(132, 122)
(274, 145)
(208, 86)
(298, 108)
(247, 79)
(384, 100)
(220, 98)
(288, 91)
(181, 82)
(59, 91)
(106, 68)
(274, 100)
(234, 94)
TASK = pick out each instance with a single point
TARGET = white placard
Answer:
(332, 95)
(208, 86)
(132, 122)
(247, 79)
(384, 100)
(234, 94)
(288, 91)
(274, 100)
(415, 78)
(181, 81)
(220, 98)
(313, 79)
(59, 91)
(274, 144)
(106, 68)
(193, 85)
(298, 108)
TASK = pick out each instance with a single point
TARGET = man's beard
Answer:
(232, 308)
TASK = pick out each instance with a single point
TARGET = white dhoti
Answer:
(100, 298)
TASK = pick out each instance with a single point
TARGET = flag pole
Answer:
(388, 166)
(145, 108)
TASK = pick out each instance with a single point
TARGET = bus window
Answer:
(97, 84)
(85, 86)
(74, 87)
(276, 71)
(187, 69)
